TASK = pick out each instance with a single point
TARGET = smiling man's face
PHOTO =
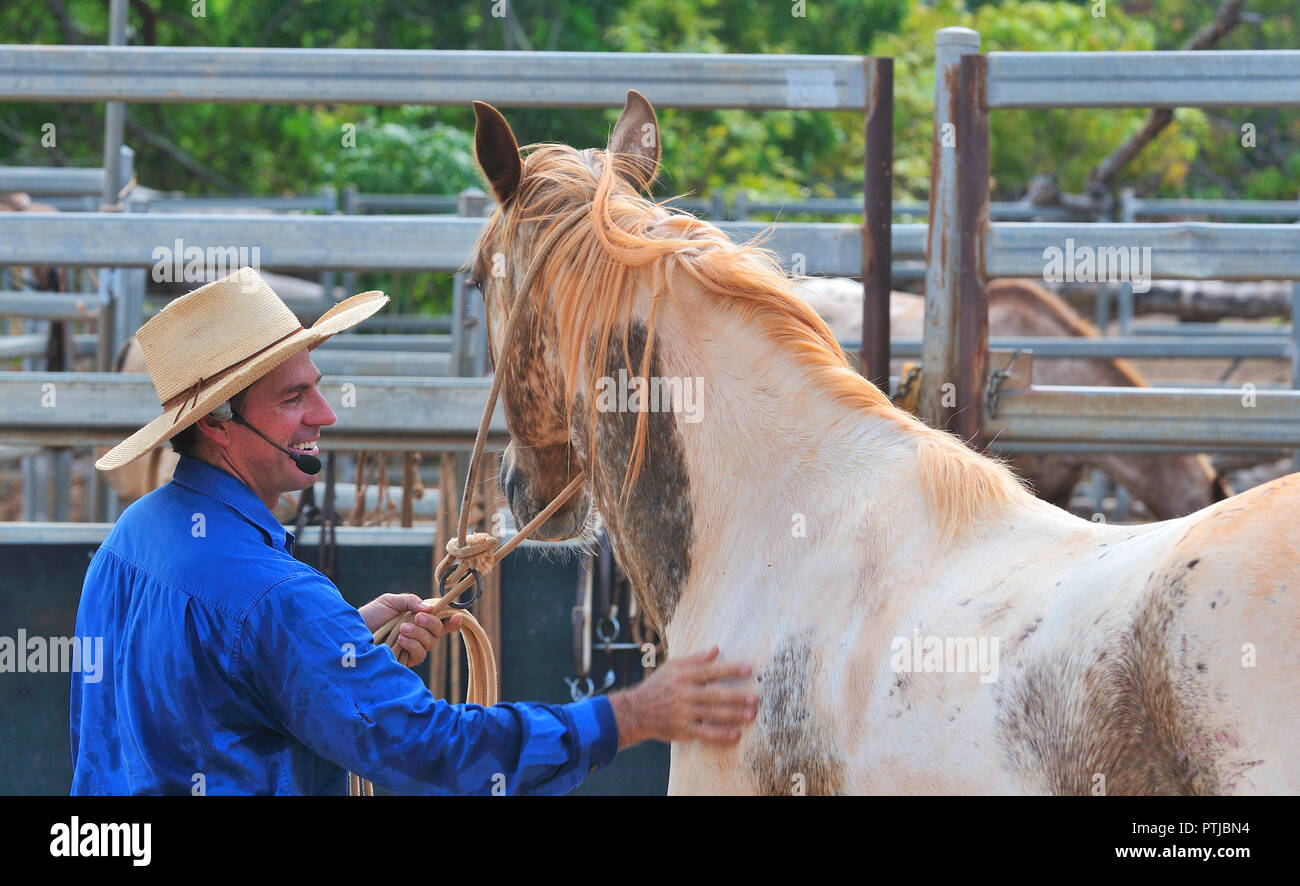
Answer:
(287, 406)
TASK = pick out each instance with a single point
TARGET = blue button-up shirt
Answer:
(229, 667)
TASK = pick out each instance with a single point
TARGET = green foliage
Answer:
(1068, 143)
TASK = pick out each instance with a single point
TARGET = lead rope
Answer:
(469, 557)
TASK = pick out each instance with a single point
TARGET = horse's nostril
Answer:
(511, 484)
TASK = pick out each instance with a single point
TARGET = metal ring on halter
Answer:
(457, 604)
(607, 637)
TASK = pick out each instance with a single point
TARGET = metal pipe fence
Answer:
(591, 80)
(956, 344)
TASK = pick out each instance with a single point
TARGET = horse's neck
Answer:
(772, 478)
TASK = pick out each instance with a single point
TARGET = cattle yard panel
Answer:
(968, 87)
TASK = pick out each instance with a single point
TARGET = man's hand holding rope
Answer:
(417, 637)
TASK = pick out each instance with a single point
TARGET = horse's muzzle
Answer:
(531, 478)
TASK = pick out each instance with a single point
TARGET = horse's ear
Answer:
(496, 150)
(636, 134)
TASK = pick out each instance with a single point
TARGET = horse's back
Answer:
(1232, 587)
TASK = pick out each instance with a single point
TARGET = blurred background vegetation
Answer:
(281, 149)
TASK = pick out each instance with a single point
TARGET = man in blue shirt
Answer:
(231, 667)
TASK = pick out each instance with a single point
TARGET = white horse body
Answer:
(818, 613)
(1059, 593)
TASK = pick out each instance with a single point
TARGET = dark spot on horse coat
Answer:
(1122, 715)
(533, 386)
(791, 747)
(653, 527)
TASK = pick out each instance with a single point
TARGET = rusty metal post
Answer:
(877, 228)
(939, 350)
(973, 212)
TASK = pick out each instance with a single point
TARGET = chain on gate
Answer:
(607, 621)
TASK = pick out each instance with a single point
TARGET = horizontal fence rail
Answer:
(342, 536)
(1178, 250)
(412, 243)
(1188, 250)
(1209, 417)
(1275, 347)
(1131, 207)
(290, 242)
(49, 305)
(86, 408)
(403, 414)
(159, 74)
(53, 181)
(1201, 79)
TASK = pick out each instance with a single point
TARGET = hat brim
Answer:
(344, 315)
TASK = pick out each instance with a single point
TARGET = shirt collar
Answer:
(209, 480)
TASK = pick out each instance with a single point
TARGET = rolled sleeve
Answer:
(312, 663)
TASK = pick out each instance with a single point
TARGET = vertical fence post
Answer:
(740, 208)
(118, 160)
(329, 206)
(939, 350)
(114, 122)
(468, 327)
(877, 221)
(973, 212)
(1124, 307)
(350, 207)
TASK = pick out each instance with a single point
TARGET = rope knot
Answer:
(477, 551)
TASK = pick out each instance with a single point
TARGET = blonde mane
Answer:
(626, 239)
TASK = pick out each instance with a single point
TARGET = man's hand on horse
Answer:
(416, 637)
(688, 698)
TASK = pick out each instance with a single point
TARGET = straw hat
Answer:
(207, 346)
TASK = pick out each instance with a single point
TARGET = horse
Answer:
(918, 622)
(1169, 485)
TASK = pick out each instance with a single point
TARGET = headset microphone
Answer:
(308, 464)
